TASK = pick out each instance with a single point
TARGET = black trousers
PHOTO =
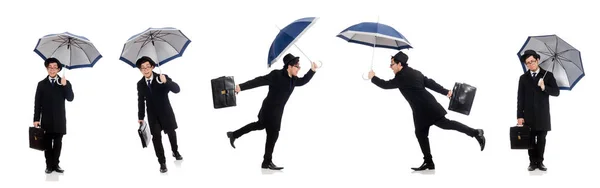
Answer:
(536, 154)
(157, 142)
(53, 146)
(422, 133)
(272, 135)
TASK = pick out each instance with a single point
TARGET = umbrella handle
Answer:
(320, 65)
(363, 76)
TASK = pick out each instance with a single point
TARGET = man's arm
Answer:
(431, 84)
(69, 95)
(389, 84)
(306, 78)
(551, 87)
(258, 81)
(171, 85)
(37, 109)
(141, 103)
(520, 99)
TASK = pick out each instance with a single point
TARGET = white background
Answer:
(337, 131)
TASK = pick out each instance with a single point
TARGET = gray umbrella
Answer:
(71, 50)
(558, 57)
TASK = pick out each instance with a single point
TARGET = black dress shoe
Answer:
(271, 166)
(231, 139)
(425, 166)
(531, 167)
(163, 168)
(542, 167)
(177, 156)
(480, 138)
(48, 170)
(58, 169)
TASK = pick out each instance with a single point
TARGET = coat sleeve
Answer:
(69, 95)
(385, 84)
(521, 99)
(306, 78)
(141, 103)
(431, 84)
(171, 85)
(37, 109)
(258, 81)
(551, 86)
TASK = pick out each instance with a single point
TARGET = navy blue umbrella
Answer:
(287, 37)
(375, 35)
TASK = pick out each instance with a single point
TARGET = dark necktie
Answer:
(149, 88)
(52, 81)
(534, 74)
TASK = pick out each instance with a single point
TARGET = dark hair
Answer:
(294, 62)
(144, 59)
(53, 60)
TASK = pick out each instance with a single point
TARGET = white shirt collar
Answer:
(536, 72)
(55, 79)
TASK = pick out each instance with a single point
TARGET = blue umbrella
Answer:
(558, 57)
(71, 50)
(375, 35)
(287, 37)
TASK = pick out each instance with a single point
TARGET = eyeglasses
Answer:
(297, 66)
(53, 68)
(530, 62)
(146, 68)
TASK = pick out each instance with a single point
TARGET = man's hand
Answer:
(163, 79)
(541, 84)
(520, 122)
(36, 124)
(237, 89)
(314, 66)
(63, 81)
(449, 94)
(371, 74)
(140, 122)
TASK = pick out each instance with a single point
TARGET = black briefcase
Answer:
(36, 138)
(520, 137)
(462, 98)
(223, 92)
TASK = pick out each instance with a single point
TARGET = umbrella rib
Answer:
(84, 52)
(568, 60)
(561, 64)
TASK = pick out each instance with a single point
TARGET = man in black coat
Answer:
(533, 107)
(153, 90)
(281, 85)
(426, 110)
(49, 109)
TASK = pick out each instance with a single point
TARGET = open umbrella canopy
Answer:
(71, 50)
(558, 57)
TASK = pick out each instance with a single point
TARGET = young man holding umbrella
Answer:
(49, 109)
(153, 93)
(426, 110)
(281, 85)
(533, 107)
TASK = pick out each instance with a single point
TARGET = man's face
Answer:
(294, 69)
(532, 63)
(394, 66)
(146, 69)
(52, 69)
